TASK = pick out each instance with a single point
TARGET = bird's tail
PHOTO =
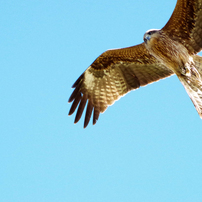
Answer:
(198, 64)
(193, 84)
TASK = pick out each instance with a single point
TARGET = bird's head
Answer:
(148, 35)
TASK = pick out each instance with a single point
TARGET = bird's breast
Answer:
(170, 53)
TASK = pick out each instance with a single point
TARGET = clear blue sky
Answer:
(146, 147)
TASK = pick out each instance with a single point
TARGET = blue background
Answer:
(146, 147)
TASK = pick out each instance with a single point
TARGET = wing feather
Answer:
(75, 103)
(111, 76)
(185, 24)
(88, 113)
(81, 108)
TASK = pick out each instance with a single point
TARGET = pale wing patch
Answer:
(102, 88)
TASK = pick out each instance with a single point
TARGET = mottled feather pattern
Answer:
(163, 53)
(193, 88)
(198, 63)
(102, 87)
(185, 24)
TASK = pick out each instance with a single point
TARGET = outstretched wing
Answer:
(112, 75)
(185, 24)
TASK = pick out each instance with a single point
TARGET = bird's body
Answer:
(176, 57)
(171, 50)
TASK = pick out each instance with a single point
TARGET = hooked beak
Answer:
(146, 37)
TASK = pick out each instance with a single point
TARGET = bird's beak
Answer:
(146, 38)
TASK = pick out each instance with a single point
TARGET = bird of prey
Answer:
(170, 50)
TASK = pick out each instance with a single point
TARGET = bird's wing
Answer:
(112, 75)
(185, 24)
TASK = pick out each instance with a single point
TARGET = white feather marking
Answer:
(89, 80)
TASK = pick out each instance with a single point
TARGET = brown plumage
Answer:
(163, 53)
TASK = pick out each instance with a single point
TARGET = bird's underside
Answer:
(171, 50)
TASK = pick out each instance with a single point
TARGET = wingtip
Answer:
(80, 109)
(75, 104)
(78, 81)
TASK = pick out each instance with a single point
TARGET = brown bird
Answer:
(170, 50)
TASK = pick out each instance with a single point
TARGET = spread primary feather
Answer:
(171, 50)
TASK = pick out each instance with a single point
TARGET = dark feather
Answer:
(77, 81)
(88, 113)
(95, 115)
(81, 108)
(75, 104)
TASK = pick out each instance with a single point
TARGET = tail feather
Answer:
(198, 63)
(193, 85)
